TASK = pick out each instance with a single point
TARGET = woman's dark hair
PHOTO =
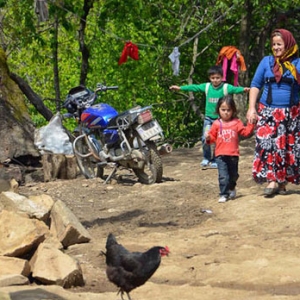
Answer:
(230, 102)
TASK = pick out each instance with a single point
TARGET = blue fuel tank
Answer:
(98, 115)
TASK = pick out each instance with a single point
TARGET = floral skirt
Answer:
(277, 149)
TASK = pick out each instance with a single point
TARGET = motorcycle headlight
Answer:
(70, 104)
(71, 108)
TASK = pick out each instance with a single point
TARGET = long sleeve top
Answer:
(213, 95)
(281, 92)
(226, 136)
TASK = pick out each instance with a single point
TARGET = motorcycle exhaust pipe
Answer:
(165, 149)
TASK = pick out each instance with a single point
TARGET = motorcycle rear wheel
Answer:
(152, 171)
(86, 162)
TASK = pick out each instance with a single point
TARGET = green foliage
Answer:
(156, 27)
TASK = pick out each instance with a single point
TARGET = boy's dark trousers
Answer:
(228, 173)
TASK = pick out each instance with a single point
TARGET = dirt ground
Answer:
(242, 249)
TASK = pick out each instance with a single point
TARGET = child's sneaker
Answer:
(214, 165)
(223, 199)
(232, 194)
(204, 163)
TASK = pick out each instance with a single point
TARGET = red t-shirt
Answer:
(226, 136)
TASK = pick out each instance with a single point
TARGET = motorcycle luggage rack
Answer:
(127, 118)
(124, 121)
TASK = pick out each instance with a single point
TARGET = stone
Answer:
(66, 226)
(13, 266)
(44, 201)
(15, 202)
(50, 292)
(52, 266)
(13, 279)
(53, 242)
(21, 235)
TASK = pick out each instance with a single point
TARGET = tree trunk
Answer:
(245, 41)
(191, 99)
(242, 99)
(88, 5)
(55, 65)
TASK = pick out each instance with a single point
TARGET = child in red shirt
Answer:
(225, 133)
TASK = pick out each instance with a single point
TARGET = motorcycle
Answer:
(106, 138)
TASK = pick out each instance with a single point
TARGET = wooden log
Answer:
(59, 166)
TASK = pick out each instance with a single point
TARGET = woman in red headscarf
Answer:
(277, 115)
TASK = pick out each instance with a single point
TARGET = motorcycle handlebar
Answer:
(103, 88)
(112, 87)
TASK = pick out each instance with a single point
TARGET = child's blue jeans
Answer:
(228, 173)
(208, 150)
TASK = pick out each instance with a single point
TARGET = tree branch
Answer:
(32, 96)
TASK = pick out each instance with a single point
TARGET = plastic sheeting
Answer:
(53, 138)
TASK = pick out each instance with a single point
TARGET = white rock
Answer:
(15, 202)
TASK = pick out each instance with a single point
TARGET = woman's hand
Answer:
(252, 113)
(252, 116)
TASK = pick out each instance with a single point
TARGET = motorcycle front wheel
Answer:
(153, 169)
(86, 162)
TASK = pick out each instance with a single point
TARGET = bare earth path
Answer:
(245, 249)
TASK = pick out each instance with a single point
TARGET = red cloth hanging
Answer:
(130, 50)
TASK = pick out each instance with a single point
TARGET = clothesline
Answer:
(206, 28)
(147, 45)
(131, 49)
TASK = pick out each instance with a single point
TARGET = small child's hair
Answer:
(230, 102)
(215, 70)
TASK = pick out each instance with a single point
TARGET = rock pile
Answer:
(34, 232)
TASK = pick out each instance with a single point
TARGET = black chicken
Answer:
(128, 270)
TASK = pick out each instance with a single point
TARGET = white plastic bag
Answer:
(53, 137)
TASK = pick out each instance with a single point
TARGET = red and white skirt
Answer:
(277, 148)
